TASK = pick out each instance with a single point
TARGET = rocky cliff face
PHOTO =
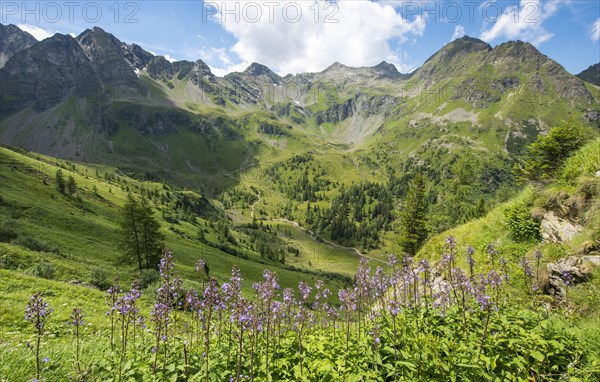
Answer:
(13, 40)
(114, 62)
(46, 74)
(361, 104)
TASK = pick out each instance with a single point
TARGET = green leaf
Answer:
(537, 355)
(409, 365)
(466, 365)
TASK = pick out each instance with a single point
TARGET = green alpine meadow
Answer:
(160, 222)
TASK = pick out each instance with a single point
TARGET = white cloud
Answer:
(209, 53)
(524, 22)
(302, 36)
(459, 31)
(595, 31)
(37, 32)
(170, 59)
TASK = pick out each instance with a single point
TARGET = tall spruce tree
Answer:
(71, 185)
(140, 232)
(152, 238)
(60, 181)
(413, 217)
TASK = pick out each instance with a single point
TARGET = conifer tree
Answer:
(140, 232)
(71, 185)
(413, 217)
(60, 181)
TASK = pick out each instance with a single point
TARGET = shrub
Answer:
(585, 162)
(9, 261)
(521, 225)
(43, 269)
(7, 234)
(99, 278)
(34, 244)
(148, 277)
(548, 152)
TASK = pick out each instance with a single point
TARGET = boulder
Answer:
(572, 269)
(557, 230)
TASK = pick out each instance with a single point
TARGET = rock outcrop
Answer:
(557, 230)
(569, 271)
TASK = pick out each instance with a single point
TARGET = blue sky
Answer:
(301, 36)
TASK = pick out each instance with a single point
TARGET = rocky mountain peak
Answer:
(386, 69)
(335, 66)
(57, 65)
(114, 60)
(472, 42)
(461, 46)
(202, 68)
(96, 40)
(259, 70)
(13, 40)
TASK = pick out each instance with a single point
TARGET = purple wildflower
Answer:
(494, 279)
(470, 259)
(305, 290)
(348, 299)
(484, 301)
(567, 277)
(451, 242)
(76, 318)
(37, 310)
(504, 264)
(526, 268)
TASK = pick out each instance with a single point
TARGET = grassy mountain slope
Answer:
(576, 177)
(573, 330)
(79, 233)
(574, 195)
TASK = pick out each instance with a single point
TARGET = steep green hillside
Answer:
(572, 197)
(77, 235)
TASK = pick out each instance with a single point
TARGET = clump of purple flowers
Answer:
(76, 320)
(528, 273)
(36, 312)
(471, 261)
(493, 253)
(111, 297)
(566, 277)
(167, 293)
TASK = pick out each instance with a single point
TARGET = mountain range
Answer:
(94, 98)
